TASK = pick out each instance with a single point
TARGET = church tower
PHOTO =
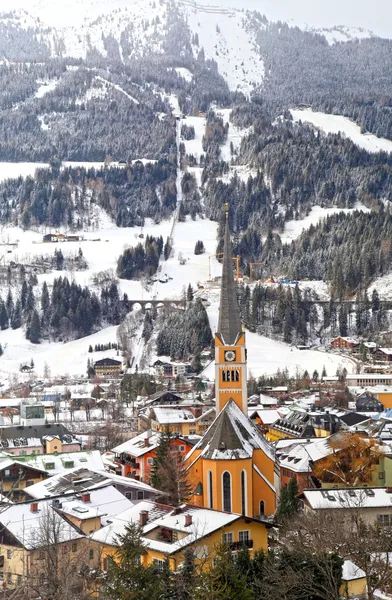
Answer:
(232, 467)
(230, 350)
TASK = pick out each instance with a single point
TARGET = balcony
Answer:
(235, 546)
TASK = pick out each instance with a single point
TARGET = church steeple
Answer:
(229, 325)
(230, 350)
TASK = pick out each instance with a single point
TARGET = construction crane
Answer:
(236, 258)
(251, 268)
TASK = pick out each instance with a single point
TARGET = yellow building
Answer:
(181, 420)
(15, 476)
(232, 468)
(168, 531)
(354, 583)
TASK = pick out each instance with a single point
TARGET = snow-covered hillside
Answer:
(338, 124)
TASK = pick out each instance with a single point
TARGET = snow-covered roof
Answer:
(166, 415)
(105, 502)
(82, 479)
(348, 498)
(350, 571)
(89, 459)
(232, 435)
(267, 416)
(9, 462)
(267, 400)
(204, 522)
(27, 526)
(387, 351)
(296, 457)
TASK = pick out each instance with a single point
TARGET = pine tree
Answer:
(1, 350)
(4, 322)
(288, 500)
(16, 319)
(127, 578)
(189, 293)
(33, 331)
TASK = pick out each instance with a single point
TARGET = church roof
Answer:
(229, 325)
(232, 436)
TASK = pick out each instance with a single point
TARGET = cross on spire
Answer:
(229, 325)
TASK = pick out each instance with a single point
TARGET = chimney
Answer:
(143, 517)
(147, 436)
(188, 520)
(197, 411)
(34, 507)
(389, 490)
(86, 497)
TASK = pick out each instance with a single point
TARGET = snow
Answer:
(235, 135)
(184, 73)
(266, 356)
(339, 124)
(349, 498)
(45, 88)
(350, 571)
(195, 146)
(227, 37)
(293, 229)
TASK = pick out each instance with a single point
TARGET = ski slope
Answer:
(339, 124)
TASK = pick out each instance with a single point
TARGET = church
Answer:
(232, 467)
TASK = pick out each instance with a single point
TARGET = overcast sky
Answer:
(375, 15)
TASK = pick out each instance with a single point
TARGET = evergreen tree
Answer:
(1, 350)
(127, 578)
(288, 500)
(33, 330)
(189, 293)
(16, 320)
(4, 322)
(168, 472)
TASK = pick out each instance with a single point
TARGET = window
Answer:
(182, 448)
(65, 548)
(41, 555)
(150, 461)
(210, 490)
(262, 508)
(159, 564)
(226, 488)
(243, 537)
(228, 538)
(381, 475)
(9, 553)
(105, 563)
(19, 578)
(192, 432)
(140, 495)
(243, 492)
(74, 546)
(384, 520)
(91, 554)
(128, 495)
(7, 472)
(9, 577)
(29, 482)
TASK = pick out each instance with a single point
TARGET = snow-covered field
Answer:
(338, 124)
(293, 229)
(266, 356)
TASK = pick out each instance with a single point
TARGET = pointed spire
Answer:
(229, 325)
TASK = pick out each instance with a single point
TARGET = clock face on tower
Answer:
(230, 355)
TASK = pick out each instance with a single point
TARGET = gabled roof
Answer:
(82, 479)
(204, 522)
(232, 436)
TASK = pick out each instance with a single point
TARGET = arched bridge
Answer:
(148, 304)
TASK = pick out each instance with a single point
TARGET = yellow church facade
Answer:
(231, 468)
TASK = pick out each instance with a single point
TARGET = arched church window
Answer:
(262, 508)
(236, 374)
(210, 490)
(243, 492)
(226, 485)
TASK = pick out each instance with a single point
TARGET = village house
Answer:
(366, 402)
(304, 424)
(344, 343)
(21, 440)
(107, 367)
(135, 457)
(354, 584)
(263, 418)
(83, 480)
(172, 369)
(181, 420)
(383, 355)
(167, 531)
(371, 504)
(67, 520)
